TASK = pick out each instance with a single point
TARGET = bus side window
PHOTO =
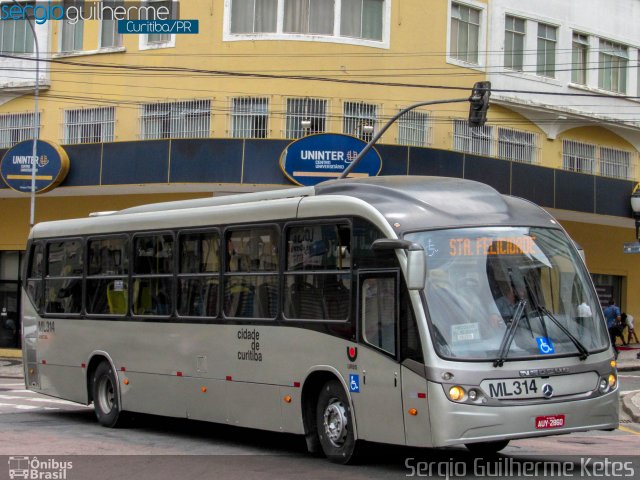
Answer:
(378, 313)
(34, 275)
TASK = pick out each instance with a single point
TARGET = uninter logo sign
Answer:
(51, 166)
(317, 158)
(132, 16)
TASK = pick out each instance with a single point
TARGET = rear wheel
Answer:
(105, 396)
(487, 448)
(334, 423)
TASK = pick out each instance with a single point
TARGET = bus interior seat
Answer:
(211, 298)
(141, 298)
(117, 299)
(336, 297)
(239, 301)
(307, 301)
(268, 300)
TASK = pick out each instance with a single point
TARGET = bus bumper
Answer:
(458, 423)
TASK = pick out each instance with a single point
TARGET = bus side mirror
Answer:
(416, 269)
(416, 259)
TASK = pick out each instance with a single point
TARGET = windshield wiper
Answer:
(584, 353)
(510, 333)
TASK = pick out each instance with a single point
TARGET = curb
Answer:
(629, 408)
(630, 368)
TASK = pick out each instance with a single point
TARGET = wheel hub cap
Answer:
(335, 422)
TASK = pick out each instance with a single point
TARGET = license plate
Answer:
(549, 421)
(513, 388)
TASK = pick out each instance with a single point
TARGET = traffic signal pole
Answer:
(479, 103)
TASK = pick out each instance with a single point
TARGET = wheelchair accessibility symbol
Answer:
(354, 383)
(545, 346)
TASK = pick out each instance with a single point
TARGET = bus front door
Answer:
(379, 401)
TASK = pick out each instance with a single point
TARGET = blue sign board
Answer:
(354, 383)
(316, 158)
(52, 166)
(545, 346)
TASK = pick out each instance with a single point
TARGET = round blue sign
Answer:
(324, 156)
(52, 166)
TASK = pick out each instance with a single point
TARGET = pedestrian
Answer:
(627, 320)
(613, 316)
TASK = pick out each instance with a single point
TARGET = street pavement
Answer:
(628, 361)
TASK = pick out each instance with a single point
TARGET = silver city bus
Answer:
(417, 311)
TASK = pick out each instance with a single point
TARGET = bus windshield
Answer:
(479, 280)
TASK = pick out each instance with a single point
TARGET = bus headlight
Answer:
(603, 385)
(612, 381)
(456, 393)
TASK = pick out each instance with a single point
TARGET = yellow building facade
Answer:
(247, 81)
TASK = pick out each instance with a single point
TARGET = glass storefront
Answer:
(10, 299)
(608, 287)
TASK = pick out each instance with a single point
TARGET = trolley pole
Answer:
(479, 101)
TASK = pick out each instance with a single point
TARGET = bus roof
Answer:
(408, 203)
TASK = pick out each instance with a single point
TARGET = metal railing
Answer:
(414, 129)
(597, 160)
(17, 127)
(179, 119)
(305, 116)
(249, 117)
(501, 142)
(88, 125)
(360, 119)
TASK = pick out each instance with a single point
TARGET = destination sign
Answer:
(467, 247)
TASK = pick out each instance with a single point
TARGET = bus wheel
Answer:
(487, 448)
(335, 424)
(105, 396)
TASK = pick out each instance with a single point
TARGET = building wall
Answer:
(413, 57)
(610, 260)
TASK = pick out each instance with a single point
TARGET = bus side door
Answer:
(379, 401)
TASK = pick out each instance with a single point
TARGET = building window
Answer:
(109, 36)
(356, 19)
(249, 117)
(579, 58)
(309, 16)
(613, 67)
(360, 119)
(616, 163)
(465, 31)
(305, 116)
(254, 16)
(475, 140)
(72, 33)
(362, 19)
(546, 64)
(89, 125)
(16, 127)
(514, 43)
(182, 119)
(414, 129)
(16, 36)
(517, 145)
(159, 40)
(578, 156)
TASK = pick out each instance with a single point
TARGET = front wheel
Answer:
(334, 423)
(105, 396)
(487, 448)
